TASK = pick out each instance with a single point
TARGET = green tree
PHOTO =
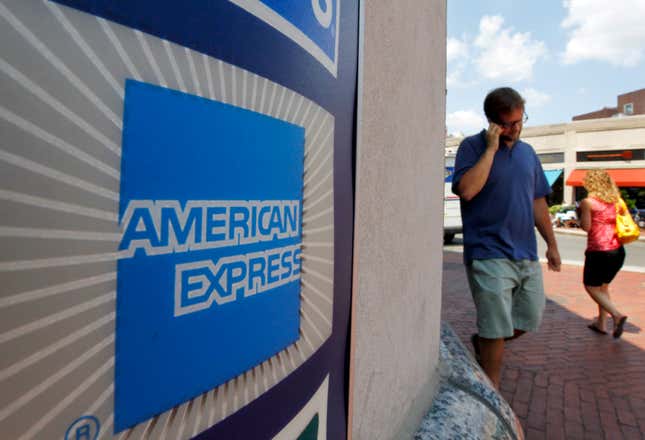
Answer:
(631, 203)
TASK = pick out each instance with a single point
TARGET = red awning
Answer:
(622, 176)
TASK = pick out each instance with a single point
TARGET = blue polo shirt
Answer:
(499, 222)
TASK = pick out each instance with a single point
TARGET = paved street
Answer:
(572, 244)
(565, 381)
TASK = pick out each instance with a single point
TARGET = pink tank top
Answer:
(602, 235)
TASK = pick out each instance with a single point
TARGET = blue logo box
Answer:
(208, 282)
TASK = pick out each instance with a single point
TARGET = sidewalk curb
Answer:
(568, 262)
(573, 231)
(636, 269)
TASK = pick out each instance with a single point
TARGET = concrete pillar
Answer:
(398, 217)
(570, 143)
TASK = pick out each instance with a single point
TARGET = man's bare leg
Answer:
(492, 352)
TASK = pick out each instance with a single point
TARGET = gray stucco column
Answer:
(399, 217)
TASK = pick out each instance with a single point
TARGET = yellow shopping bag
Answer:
(626, 229)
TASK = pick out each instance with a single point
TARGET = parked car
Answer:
(451, 218)
(639, 217)
(451, 209)
(566, 216)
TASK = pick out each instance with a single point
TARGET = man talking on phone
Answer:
(502, 189)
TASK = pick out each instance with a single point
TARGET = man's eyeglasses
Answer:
(507, 125)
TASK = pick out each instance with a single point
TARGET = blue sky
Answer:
(565, 57)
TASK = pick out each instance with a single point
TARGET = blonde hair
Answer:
(600, 185)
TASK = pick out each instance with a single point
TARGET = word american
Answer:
(163, 226)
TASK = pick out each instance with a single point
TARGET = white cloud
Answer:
(457, 52)
(464, 121)
(534, 98)
(456, 49)
(504, 54)
(613, 32)
(455, 78)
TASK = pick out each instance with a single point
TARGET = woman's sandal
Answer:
(595, 328)
(619, 327)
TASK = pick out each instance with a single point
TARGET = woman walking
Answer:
(604, 255)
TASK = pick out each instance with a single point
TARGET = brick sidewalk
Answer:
(565, 381)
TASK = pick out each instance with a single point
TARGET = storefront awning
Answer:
(622, 176)
(552, 175)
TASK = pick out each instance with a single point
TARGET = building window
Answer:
(628, 109)
(610, 155)
(551, 157)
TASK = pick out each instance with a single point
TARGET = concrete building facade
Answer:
(616, 144)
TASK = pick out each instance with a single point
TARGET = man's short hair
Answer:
(502, 100)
